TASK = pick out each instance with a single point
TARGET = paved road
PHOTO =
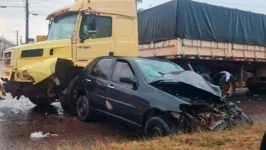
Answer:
(18, 119)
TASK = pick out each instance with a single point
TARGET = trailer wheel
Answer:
(40, 101)
(253, 88)
(228, 88)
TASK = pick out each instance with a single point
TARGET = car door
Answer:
(96, 82)
(121, 97)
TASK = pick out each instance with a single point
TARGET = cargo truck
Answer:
(227, 46)
(77, 34)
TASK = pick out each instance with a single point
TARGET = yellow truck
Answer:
(77, 34)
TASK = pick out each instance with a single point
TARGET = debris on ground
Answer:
(238, 102)
(40, 135)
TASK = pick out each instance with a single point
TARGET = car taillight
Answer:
(7, 58)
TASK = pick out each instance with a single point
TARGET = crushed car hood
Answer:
(187, 84)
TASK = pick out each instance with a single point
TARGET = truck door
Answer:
(100, 43)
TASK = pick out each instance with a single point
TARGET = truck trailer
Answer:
(227, 46)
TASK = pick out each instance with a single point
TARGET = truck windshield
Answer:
(154, 69)
(62, 27)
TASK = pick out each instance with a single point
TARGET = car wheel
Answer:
(40, 101)
(158, 126)
(84, 109)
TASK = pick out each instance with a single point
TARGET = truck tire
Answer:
(254, 89)
(228, 87)
(64, 104)
(39, 101)
(68, 100)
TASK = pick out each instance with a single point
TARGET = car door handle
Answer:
(88, 80)
(110, 86)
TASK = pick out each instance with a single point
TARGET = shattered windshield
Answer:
(154, 69)
(62, 27)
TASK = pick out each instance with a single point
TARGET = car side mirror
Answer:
(92, 23)
(129, 81)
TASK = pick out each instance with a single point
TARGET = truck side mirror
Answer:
(92, 23)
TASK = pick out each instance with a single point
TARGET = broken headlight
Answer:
(24, 75)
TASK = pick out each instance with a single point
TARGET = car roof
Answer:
(131, 58)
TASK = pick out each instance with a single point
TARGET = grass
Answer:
(241, 138)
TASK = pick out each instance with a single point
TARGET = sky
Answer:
(12, 19)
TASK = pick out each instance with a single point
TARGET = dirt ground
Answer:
(18, 119)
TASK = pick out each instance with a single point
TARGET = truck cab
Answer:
(77, 34)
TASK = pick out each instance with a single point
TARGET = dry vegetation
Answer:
(242, 138)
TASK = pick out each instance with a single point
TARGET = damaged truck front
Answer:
(77, 34)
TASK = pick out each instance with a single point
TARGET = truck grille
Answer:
(7, 58)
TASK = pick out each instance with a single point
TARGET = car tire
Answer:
(40, 101)
(158, 126)
(84, 111)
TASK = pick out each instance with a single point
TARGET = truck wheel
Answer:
(68, 100)
(40, 101)
(252, 87)
(64, 104)
(228, 87)
(157, 126)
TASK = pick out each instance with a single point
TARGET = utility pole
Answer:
(27, 21)
(17, 36)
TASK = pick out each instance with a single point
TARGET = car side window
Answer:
(102, 68)
(122, 69)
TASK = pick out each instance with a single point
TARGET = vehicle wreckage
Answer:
(154, 94)
(206, 108)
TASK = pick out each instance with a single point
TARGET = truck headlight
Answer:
(24, 76)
